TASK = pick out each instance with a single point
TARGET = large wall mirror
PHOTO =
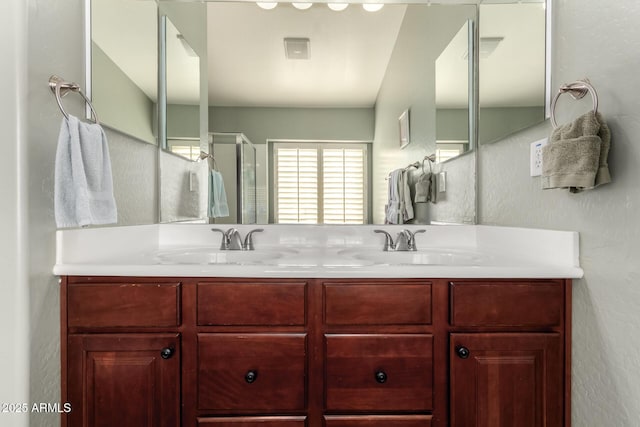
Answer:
(370, 90)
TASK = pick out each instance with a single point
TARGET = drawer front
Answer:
(123, 305)
(254, 421)
(377, 421)
(379, 372)
(506, 303)
(251, 372)
(377, 304)
(258, 304)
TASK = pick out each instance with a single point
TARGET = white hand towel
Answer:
(83, 185)
(218, 206)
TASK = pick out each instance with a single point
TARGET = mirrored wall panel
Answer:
(183, 94)
(124, 71)
(512, 67)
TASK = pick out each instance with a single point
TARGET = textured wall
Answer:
(601, 43)
(55, 43)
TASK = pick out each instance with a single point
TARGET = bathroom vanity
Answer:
(338, 343)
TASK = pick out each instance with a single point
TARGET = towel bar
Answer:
(60, 88)
(577, 90)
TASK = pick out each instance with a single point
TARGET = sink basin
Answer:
(424, 257)
(215, 256)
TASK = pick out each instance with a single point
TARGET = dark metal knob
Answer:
(251, 376)
(167, 353)
(462, 352)
(381, 377)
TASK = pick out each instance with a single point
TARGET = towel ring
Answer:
(60, 88)
(577, 90)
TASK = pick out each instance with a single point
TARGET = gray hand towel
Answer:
(83, 184)
(576, 156)
(425, 188)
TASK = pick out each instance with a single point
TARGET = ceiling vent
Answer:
(296, 48)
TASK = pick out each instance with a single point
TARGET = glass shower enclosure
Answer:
(235, 159)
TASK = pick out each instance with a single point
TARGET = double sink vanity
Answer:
(316, 326)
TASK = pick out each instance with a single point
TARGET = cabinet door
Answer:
(506, 380)
(125, 380)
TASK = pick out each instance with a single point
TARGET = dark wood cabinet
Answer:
(124, 379)
(506, 379)
(233, 352)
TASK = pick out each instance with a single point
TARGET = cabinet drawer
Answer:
(377, 421)
(251, 372)
(379, 372)
(377, 304)
(506, 303)
(123, 305)
(253, 421)
(264, 304)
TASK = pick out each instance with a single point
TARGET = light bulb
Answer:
(302, 6)
(267, 5)
(372, 7)
(337, 6)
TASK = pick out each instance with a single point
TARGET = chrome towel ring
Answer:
(60, 88)
(577, 90)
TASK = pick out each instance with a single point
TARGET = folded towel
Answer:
(576, 156)
(218, 197)
(83, 186)
(426, 188)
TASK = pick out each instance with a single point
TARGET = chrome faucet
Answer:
(405, 240)
(231, 240)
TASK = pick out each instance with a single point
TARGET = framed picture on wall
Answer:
(404, 128)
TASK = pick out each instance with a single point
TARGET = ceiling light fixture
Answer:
(267, 5)
(302, 6)
(337, 6)
(372, 7)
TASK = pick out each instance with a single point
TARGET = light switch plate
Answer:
(535, 156)
(442, 182)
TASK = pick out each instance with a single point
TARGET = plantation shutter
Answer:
(320, 183)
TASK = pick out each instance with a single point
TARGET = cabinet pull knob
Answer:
(381, 377)
(167, 353)
(462, 352)
(251, 376)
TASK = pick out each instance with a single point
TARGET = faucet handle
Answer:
(224, 244)
(248, 239)
(388, 241)
(412, 238)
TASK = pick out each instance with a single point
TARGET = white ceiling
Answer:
(349, 53)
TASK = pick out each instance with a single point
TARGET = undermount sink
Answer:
(216, 256)
(420, 257)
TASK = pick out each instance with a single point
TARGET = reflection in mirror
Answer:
(452, 97)
(235, 160)
(124, 57)
(512, 68)
(183, 95)
(359, 72)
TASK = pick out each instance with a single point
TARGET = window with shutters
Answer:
(320, 183)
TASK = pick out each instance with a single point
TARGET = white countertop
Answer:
(308, 251)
